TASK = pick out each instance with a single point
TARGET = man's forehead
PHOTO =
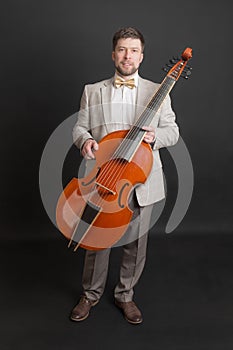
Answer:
(129, 42)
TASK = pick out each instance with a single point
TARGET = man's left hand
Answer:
(150, 134)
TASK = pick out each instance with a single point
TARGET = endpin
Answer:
(73, 244)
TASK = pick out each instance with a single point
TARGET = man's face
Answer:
(127, 56)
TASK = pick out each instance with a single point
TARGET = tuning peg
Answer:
(174, 60)
(188, 72)
(169, 65)
(188, 68)
(185, 75)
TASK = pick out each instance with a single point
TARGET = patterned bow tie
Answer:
(129, 83)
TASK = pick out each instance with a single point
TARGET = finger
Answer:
(86, 152)
(89, 154)
(89, 148)
(88, 157)
(146, 139)
(95, 146)
(147, 128)
(149, 137)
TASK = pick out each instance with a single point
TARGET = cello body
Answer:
(104, 194)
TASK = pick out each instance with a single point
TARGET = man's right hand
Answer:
(88, 149)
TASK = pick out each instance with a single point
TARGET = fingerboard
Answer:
(131, 142)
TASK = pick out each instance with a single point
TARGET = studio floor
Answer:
(185, 294)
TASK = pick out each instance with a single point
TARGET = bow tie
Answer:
(129, 83)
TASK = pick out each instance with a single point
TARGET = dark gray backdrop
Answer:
(49, 50)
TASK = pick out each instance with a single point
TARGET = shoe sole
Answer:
(133, 322)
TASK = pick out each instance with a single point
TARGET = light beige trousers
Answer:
(133, 260)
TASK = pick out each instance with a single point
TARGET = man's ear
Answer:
(142, 56)
(113, 55)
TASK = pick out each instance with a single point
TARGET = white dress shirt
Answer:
(123, 102)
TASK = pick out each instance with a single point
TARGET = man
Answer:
(120, 105)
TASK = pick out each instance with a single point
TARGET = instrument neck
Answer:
(155, 102)
(136, 134)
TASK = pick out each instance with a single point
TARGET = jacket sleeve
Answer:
(81, 130)
(167, 131)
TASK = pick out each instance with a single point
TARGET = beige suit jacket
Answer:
(95, 121)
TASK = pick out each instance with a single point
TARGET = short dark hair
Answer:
(127, 32)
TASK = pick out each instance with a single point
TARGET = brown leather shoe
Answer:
(131, 312)
(82, 309)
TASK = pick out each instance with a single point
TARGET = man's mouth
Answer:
(126, 64)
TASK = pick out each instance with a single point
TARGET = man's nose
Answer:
(127, 53)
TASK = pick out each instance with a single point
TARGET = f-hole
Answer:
(92, 180)
(121, 205)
